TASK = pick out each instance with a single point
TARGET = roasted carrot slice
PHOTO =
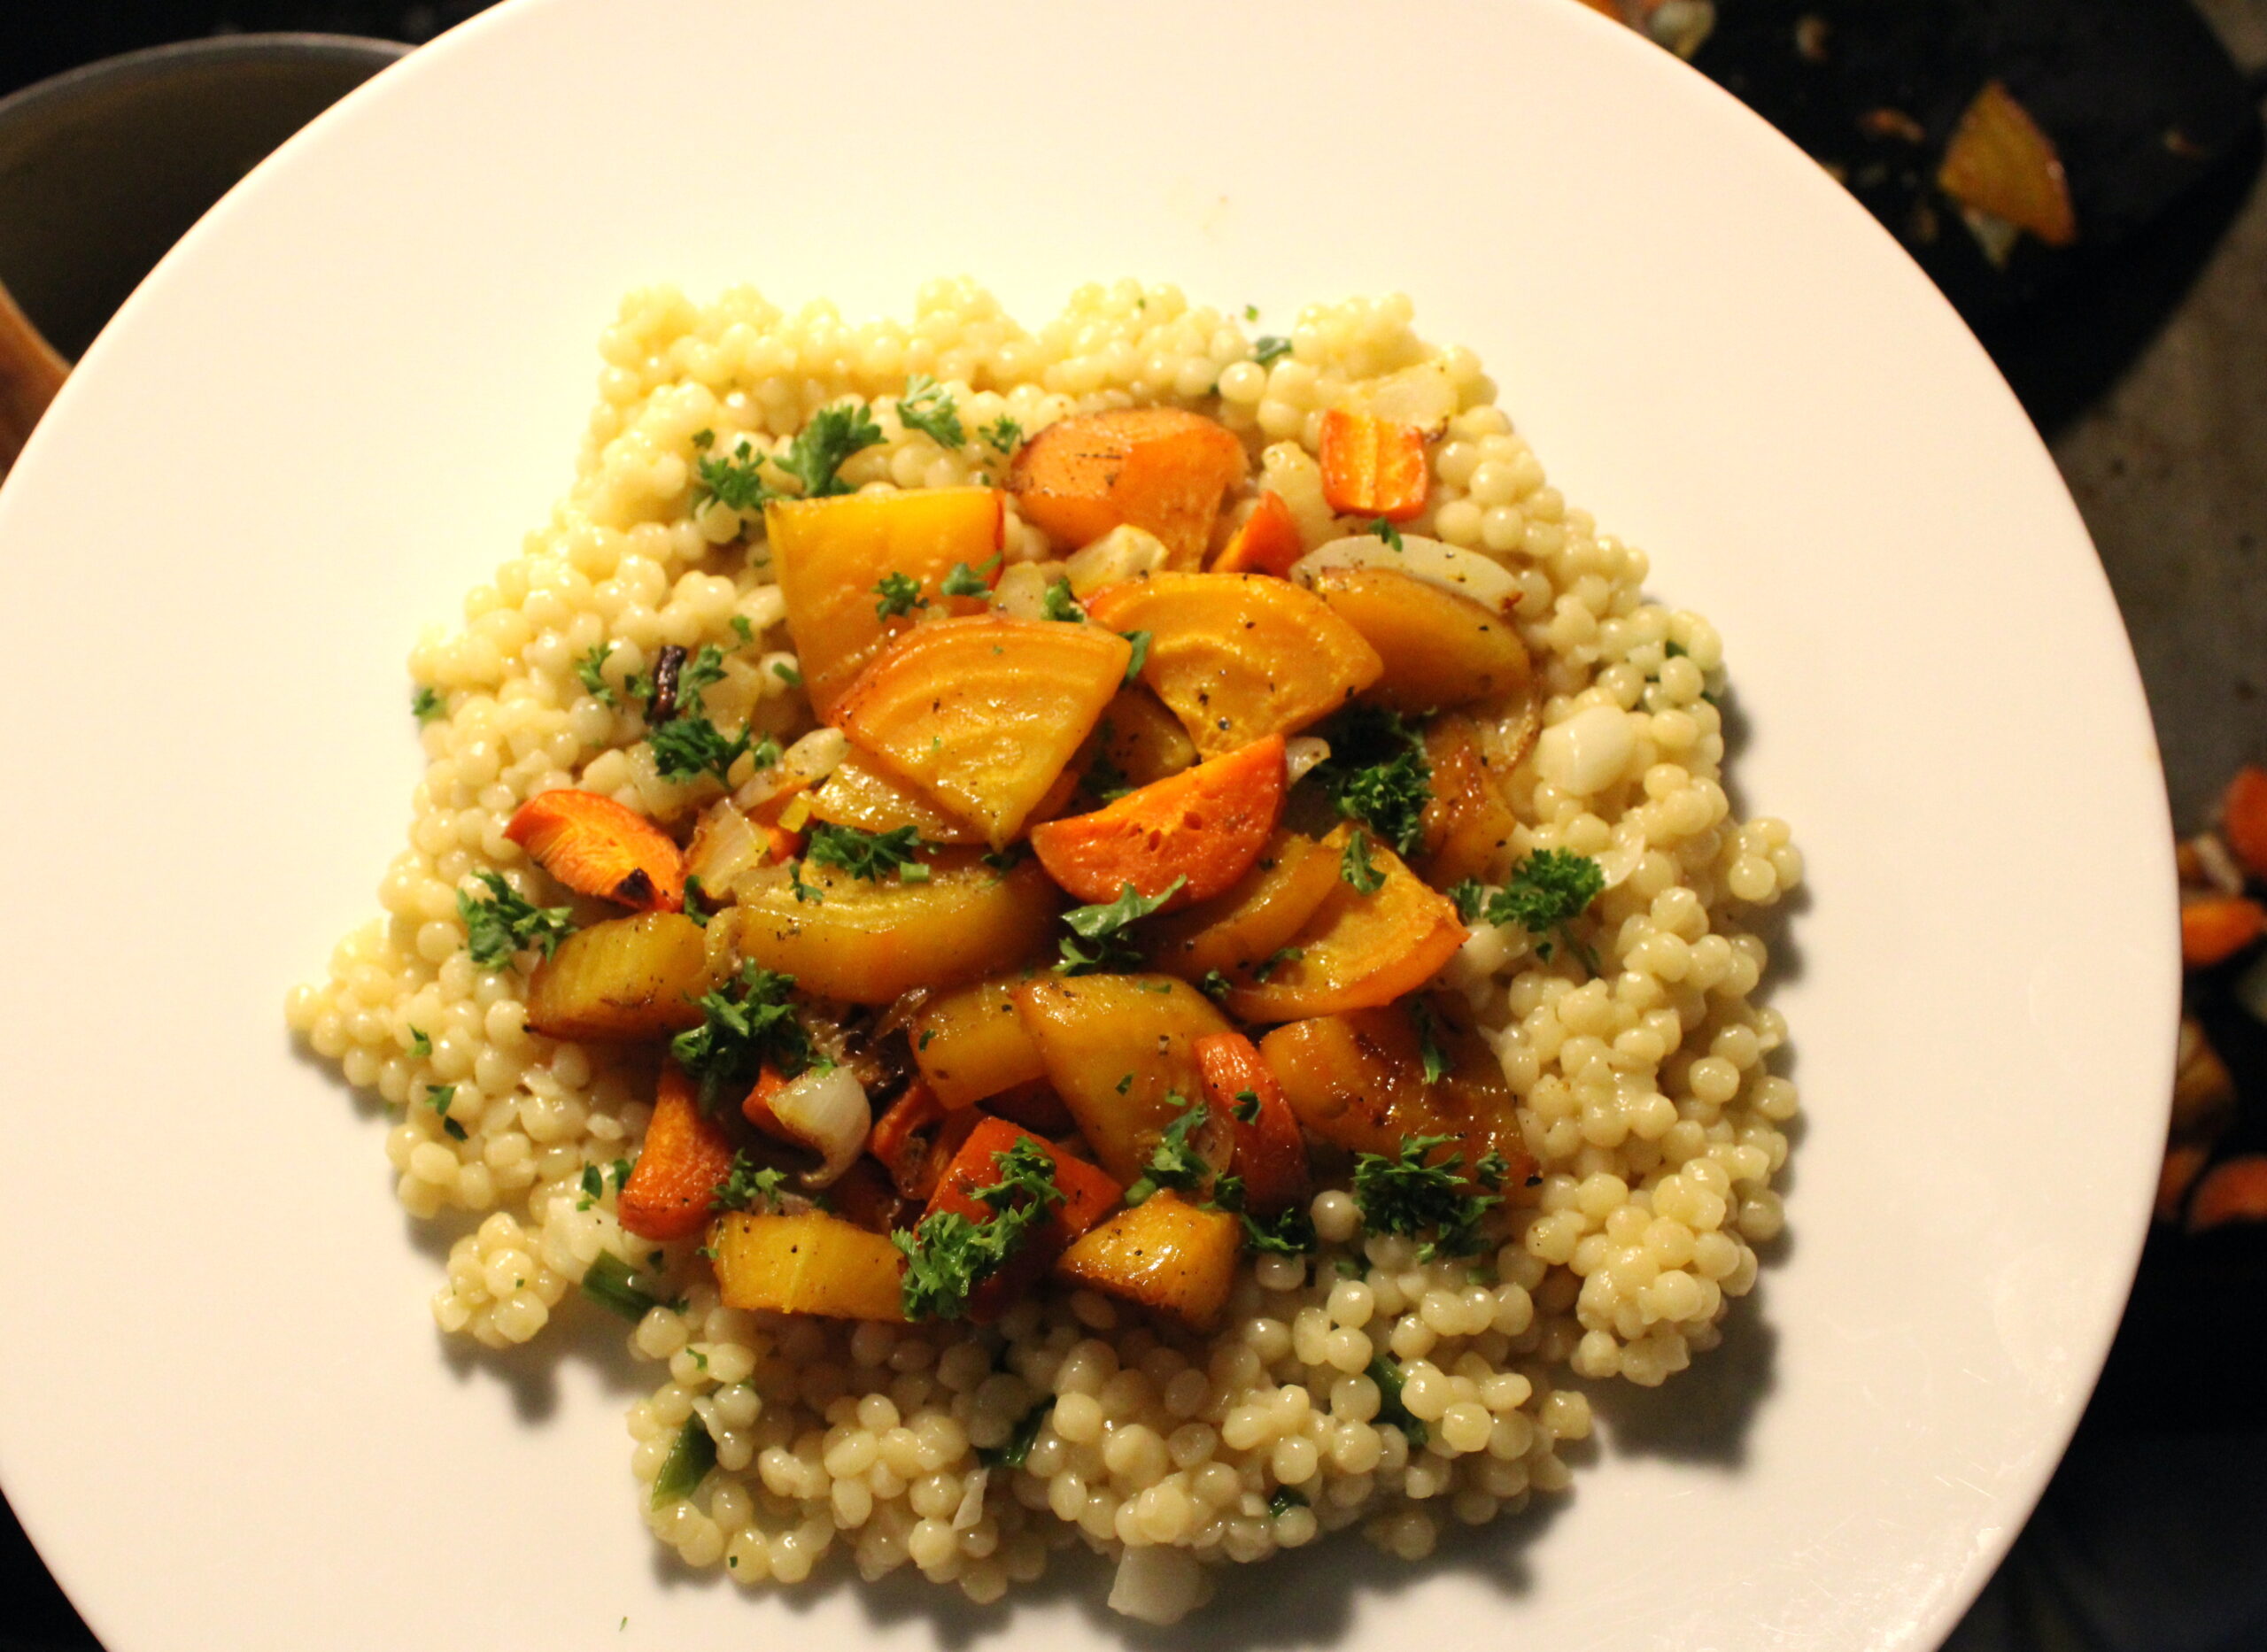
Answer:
(1160, 470)
(1373, 466)
(1205, 825)
(1271, 1153)
(596, 846)
(915, 1139)
(685, 1156)
(2234, 1190)
(1268, 542)
(1357, 951)
(984, 713)
(1087, 1195)
(2000, 162)
(2243, 819)
(755, 1106)
(2215, 928)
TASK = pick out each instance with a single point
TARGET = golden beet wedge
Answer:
(1254, 919)
(812, 1263)
(1356, 951)
(1439, 649)
(1165, 1254)
(984, 713)
(1238, 657)
(635, 978)
(1120, 1051)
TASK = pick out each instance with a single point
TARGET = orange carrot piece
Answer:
(2215, 928)
(917, 1138)
(1268, 542)
(596, 846)
(2243, 819)
(1373, 466)
(2234, 1190)
(1088, 1196)
(1207, 825)
(684, 1157)
(1160, 470)
(1271, 1151)
(755, 1107)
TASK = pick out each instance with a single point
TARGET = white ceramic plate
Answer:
(223, 1409)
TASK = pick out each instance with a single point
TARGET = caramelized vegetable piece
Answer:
(1373, 466)
(2234, 1190)
(983, 713)
(2215, 928)
(1036, 1108)
(1159, 469)
(1270, 1155)
(596, 846)
(1268, 542)
(830, 555)
(864, 1194)
(1120, 1051)
(2243, 819)
(727, 844)
(685, 1156)
(915, 1139)
(867, 941)
(1204, 827)
(1163, 1253)
(812, 1263)
(1087, 1194)
(636, 977)
(2000, 162)
(1141, 740)
(1439, 649)
(970, 1043)
(1358, 1080)
(1245, 927)
(1357, 951)
(1240, 656)
(1468, 822)
(862, 794)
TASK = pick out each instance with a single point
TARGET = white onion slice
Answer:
(1461, 573)
(1301, 753)
(827, 1111)
(1423, 395)
(801, 765)
(725, 845)
(1587, 752)
(1021, 593)
(1123, 553)
(1158, 1584)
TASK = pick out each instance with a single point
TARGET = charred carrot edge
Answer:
(1271, 1151)
(755, 1106)
(684, 1157)
(1268, 542)
(1206, 824)
(596, 846)
(2215, 928)
(1087, 1193)
(916, 1139)
(1373, 466)
(2232, 1190)
(2243, 819)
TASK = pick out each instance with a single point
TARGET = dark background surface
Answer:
(2143, 356)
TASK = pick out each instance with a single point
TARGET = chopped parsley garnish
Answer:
(801, 891)
(1290, 1232)
(1096, 942)
(589, 669)
(1385, 531)
(1348, 1268)
(1548, 891)
(749, 1021)
(734, 480)
(1227, 1193)
(439, 1096)
(746, 1184)
(1354, 866)
(1251, 312)
(1268, 349)
(607, 1282)
(1281, 955)
(1376, 773)
(1059, 604)
(1247, 1107)
(948, 1256)
(1386, 1374)
(504, 924)
(1104, 781)
(821, 448)
(744, 629)
(688, 744)
(1003, 434)
(698, 906)
(898, 594)
(1429, 1042)
(964, 581)
(698, 673)
(688, 1463)
(419, 1046)
(789, 675)
(1013, 1452)
(927, 407)
(425, 704)
(1471, 898)
(1285, 1499)
(1215, 986)
(1125, 1082)
(593, 1184)
(872, 855)
(1009, 859)
(1173, 1162)
(1406, 1194)
(1140, 656)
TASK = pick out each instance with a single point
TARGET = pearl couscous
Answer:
(1356, 1375)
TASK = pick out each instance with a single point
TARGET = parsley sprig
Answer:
(1354, 866)
(1376, 773)
(897, 594)
(1097, 942)
(1002, 434)
(872, 855)
(589, 669)
(927, 407)
(964, 581)
(1548, 890)
(1410, 1194)
(749, 1021)
(747, 1185)
(689, 743)
(1059, 604)
(506, 924)
(814, 459)
(1174, 1161)
(948, 1256)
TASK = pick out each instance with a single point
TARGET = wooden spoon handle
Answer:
(30, 374)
